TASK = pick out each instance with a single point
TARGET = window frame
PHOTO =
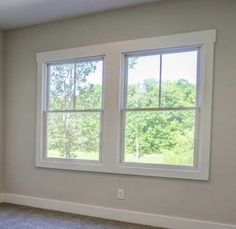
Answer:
(113, 93)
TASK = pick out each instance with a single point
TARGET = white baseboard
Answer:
(1, 197)
(114, 214)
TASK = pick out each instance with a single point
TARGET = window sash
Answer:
(45, 152)
(160, 52)
(153, 165)
(73, 62)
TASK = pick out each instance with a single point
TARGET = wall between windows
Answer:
(213, 200)
(1, 111)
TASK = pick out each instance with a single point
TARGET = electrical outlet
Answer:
(120, 194)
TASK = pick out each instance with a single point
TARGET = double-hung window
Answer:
(73, 111)
(161, 107)
(139, 107)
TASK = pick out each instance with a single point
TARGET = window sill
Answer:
(170, 171)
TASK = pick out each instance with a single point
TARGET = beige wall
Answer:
(1, 111)
(214, 200)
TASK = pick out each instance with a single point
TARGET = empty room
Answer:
(118, 114)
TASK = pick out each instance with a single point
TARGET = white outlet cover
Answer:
(120, 194)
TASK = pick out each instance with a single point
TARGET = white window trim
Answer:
(113, 97)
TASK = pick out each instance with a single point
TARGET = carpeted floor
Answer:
(20, 217)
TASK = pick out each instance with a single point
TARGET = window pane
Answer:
(89, 84)
(74, 135)
(179, 78)
(143, 81)
(165, 137)
(61, 86)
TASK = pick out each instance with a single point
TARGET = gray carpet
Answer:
(20, 217)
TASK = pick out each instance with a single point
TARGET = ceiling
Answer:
(19, 13)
